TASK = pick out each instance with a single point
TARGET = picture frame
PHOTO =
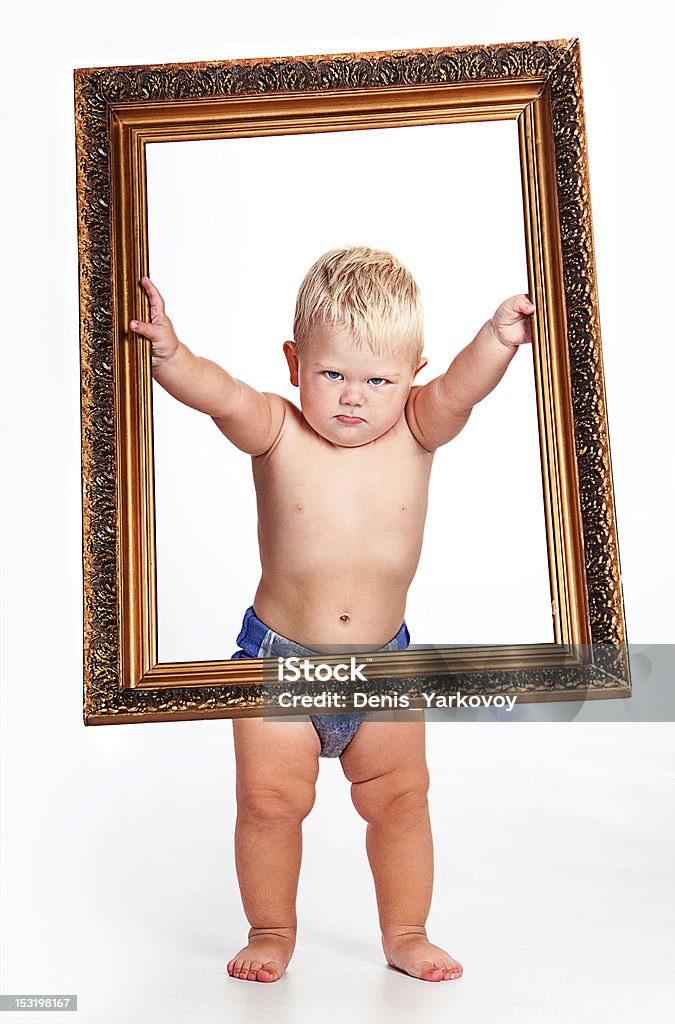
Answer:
(118, 112)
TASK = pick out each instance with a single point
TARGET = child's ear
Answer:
(423, 362)
(292, 360)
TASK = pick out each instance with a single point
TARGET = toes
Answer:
(452, 971)
(429, 971)
(269, 971)
(240, 969)
(253, 969)
(233, 966)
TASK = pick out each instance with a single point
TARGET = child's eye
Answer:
(378, 381)
(332, 374)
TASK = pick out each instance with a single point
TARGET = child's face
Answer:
(349, 395)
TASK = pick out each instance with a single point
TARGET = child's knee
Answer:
(267, 803)
(399, 797)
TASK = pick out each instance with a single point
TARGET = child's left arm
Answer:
(437, 411)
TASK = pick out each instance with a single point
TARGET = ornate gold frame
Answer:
(120, 110)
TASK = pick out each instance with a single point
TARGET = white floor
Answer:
(555, 846)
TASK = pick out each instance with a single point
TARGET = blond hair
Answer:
(368, 291)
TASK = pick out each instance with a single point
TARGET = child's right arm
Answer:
(250, 419)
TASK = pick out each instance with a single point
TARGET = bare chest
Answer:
(310, 484)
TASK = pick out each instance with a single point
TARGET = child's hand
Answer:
(160, 330)
(511, 322)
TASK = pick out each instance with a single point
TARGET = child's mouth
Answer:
(350, 419)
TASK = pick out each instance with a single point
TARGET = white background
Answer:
(229, 256)
(554, 843)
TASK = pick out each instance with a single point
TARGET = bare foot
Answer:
(413, 953)
(266, 956)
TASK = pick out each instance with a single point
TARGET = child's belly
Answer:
(338, 558)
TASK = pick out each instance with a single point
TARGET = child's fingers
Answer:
(156, 300)
(514, 309)
(522, 304)
(151, 331)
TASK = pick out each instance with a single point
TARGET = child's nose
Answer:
(352, 394)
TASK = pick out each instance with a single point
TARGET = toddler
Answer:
(341, 486)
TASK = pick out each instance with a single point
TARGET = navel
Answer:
(299, 507)
(402, 508)
(344, 618)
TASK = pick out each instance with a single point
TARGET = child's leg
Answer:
(386, 764)
(277, 767)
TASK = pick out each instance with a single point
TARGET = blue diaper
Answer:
(256, 640)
